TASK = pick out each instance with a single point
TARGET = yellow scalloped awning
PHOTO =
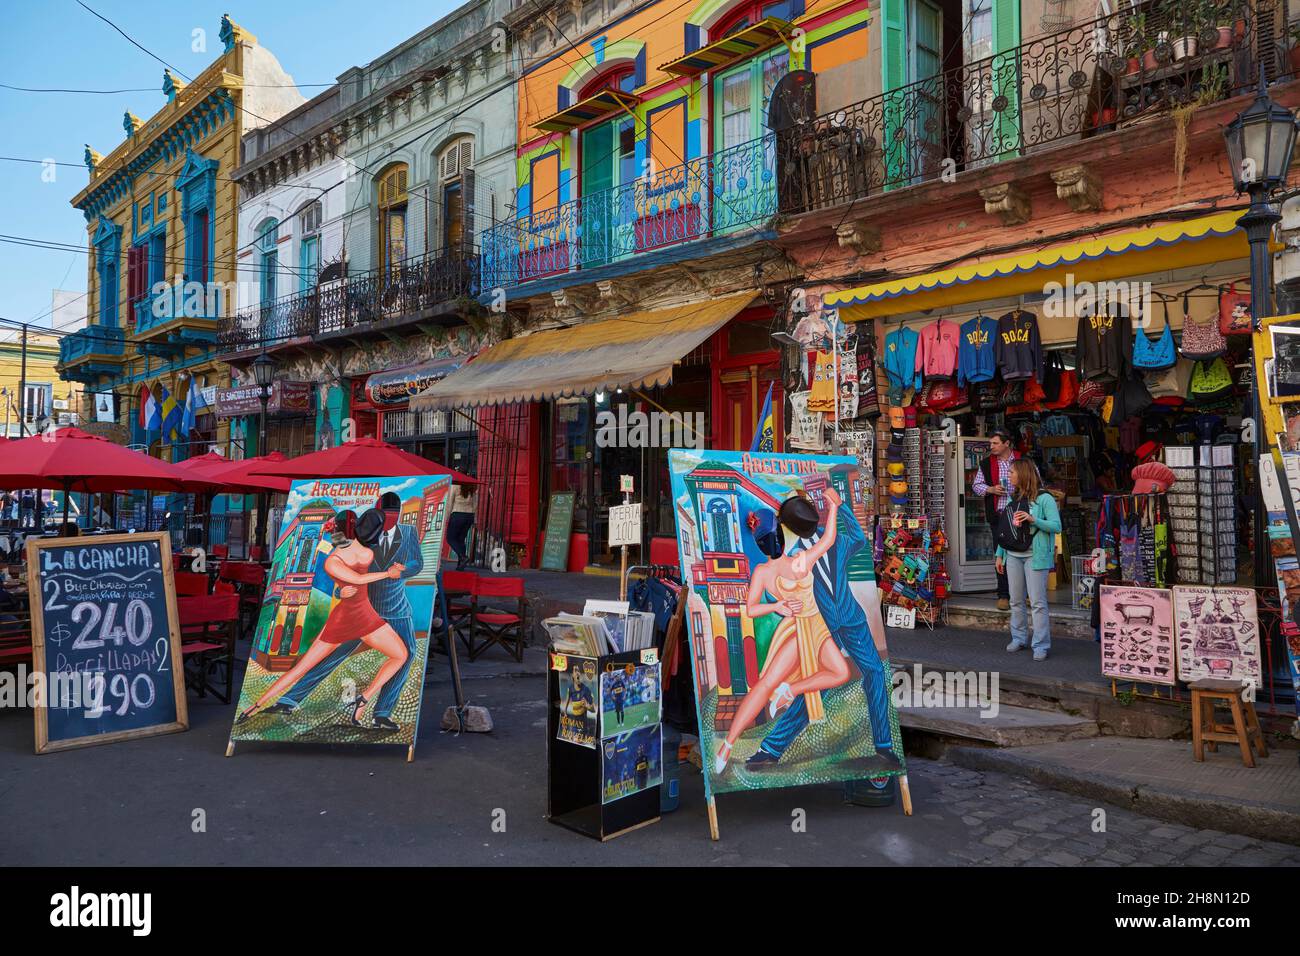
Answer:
(752, 39)
(634, 350)
(1174, 245)
(584, 111)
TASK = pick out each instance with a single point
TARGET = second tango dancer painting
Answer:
(791, 670)
(342, 638)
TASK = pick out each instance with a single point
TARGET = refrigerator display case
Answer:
(970, 539)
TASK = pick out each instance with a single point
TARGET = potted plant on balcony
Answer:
(1293, 51)
(1213, 85)
(1183, 16)
(1135, 43)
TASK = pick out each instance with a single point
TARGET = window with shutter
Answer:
(391, 227)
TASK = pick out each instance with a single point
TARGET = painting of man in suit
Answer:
(793, 684)
(315, 673)
(392, 544)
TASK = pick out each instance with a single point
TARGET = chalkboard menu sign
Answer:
(559, 526)
(105, 639)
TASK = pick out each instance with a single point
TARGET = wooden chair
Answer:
(209, 626)
(1244, 729)
(190, 584)
(458, 588)
(500, 627)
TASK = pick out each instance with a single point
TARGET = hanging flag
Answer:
(148, 409)
(171, 412)
(188, 412)
(765, 434)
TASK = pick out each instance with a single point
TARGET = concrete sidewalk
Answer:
(1159, 778)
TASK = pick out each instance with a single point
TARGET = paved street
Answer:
(135, 803)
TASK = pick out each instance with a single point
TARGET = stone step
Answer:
(1010, 726)
(983, 614)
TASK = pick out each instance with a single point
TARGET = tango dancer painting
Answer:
(791, 669)
(341, 643)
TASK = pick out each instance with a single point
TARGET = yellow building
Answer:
(47, 398)
(160, 210)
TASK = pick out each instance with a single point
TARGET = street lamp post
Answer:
(1260, 141)
(263, 375)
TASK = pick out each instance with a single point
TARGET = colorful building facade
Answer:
(163, 231)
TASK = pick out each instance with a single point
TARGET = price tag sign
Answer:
(896, 616)
(624, 525)
(625, 484)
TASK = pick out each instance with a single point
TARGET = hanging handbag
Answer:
(1210, 381)
(1234, 311)
(1149, 356)
(1201, 337)
(1171, 382)
(987, 397)
(1013, 393)
(1091, 395)
(1033, 398)
(1053, 369)
(1067, 384)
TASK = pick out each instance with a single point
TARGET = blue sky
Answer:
(56, 43)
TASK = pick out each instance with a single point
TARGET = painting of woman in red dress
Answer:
(352, 618)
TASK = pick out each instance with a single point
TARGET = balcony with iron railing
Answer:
(90, 352)
(174, 316)
(414, 290)
(712, 196)
(1091, 79)
(1104, 75)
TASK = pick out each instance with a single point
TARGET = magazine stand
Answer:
(575, 774)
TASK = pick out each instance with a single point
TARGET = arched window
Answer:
(621, 78)
(456, 195)
(390, 187)
(747, 14)
(267, 234)
(309, 218)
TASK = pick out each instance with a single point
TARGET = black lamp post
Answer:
(1260, 141)
(263, 375)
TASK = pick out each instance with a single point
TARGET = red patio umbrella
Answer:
(71, 459)
(363, 458)
(227, 476)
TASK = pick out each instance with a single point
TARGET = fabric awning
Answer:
(584, 111)
(635, 350)
(765, 33)
(1174, 245)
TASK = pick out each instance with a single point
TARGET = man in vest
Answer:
(991, 482)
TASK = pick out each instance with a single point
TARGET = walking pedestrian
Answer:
(463, 505)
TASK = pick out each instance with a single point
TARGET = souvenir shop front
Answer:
(612, 397)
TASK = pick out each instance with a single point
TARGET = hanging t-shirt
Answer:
(900, 359)
(977, 351)
(1019, 349)
(821, 397)
(936, 351)
(1103, 345)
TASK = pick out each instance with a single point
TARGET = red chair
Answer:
(500, 627)
(190, 584)
(209, 626)
(458, 587)
(15, 637)
(220, 551)
(249, 581)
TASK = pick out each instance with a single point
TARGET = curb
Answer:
(1261, 821)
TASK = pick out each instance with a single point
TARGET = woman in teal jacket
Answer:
(1027, 571)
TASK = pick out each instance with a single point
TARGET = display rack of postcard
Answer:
(907, 571)
(604, 746)
(934, 482)
(1203, 507)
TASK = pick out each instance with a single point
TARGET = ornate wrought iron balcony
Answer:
(1069, 86)
(180, 314)
(409, 291)
(714, 195)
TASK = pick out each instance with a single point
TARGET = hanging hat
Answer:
(897, 417)
(898, 488)
(897, 468)
(909, 416)
(1153, 476)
